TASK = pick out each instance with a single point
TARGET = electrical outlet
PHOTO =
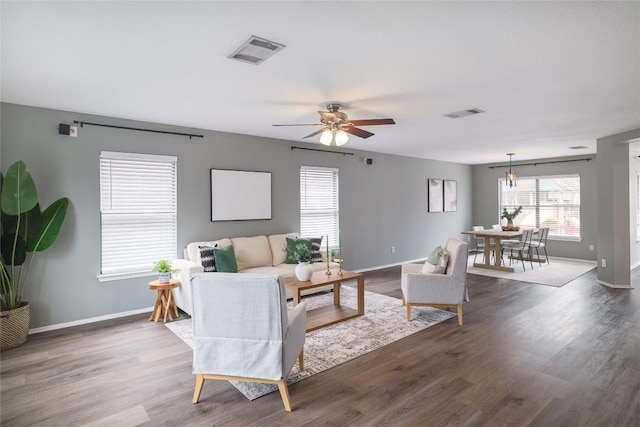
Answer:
(393, 249)
(591, 247)
(603, 262)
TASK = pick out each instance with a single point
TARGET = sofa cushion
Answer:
(252, 251)
(193, 250)
(207, 258)
(225, 260)
(278, 245)
(316, 245)
(293, 247)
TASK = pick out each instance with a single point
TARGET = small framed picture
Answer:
(435, 195)
(450, 195)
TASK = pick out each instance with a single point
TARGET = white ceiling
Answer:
(549, 75)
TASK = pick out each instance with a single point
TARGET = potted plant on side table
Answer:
(25, 230)
(510, 216)
(164, 270)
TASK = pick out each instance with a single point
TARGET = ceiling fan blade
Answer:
(357, 132)
(305, 124)
(371, 122)
(313, 133)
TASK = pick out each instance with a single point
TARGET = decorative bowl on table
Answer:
(510, 228)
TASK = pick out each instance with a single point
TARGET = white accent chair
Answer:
(242, 331)
(447, 290)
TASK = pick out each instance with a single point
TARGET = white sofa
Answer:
(258, 254)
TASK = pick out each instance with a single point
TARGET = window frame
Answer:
(537, 206)
(138, 192)
(333, 205)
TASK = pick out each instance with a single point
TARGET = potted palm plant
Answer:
(25, 231)
(164, 269)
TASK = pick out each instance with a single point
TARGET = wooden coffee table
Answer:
(328, 315)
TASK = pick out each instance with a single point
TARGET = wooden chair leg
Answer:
(459, 314)
(408, 313)
(284, 392)
(198, 389)
(301, 360)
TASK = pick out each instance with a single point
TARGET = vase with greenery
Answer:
(303, 269)
(25, 230)
(510, 216)
(164, 269)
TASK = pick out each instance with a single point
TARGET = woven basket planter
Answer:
(14, 326)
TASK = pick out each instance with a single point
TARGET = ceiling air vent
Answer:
(579, 147)
(464, 113)
(255, 50)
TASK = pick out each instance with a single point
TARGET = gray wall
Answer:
(486, 207)
(634, 169)
(381, 205)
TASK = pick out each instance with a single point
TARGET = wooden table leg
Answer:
(336, 294)
(361, 295)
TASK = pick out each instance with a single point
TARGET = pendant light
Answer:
(510, 175)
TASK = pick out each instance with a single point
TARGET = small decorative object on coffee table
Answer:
(340, 253)
(303, 269)
(164, 302)
(328, 272)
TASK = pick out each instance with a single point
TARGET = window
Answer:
(138, 213)
(547, 201)
(319, 213)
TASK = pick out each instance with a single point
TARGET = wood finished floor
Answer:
(528, 355)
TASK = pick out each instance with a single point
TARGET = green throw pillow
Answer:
(435, 256)
(293, 248)
(225, 260)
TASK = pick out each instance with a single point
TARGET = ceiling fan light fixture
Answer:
(326, 137)
(341, 138)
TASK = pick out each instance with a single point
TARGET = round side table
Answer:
(164, 302)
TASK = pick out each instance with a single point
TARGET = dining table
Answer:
(497, 236)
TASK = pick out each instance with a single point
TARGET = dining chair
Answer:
(541, 242)
(497, 227)
(480, 243)
(522, 246)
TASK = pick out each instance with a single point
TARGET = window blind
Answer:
(319, 211)
(547, 201)
(138, 212)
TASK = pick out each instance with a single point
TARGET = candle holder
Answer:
(328, 272)
(340, 269)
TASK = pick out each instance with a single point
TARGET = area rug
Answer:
(558, 272)
(384, 321)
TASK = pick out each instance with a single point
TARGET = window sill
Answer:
(123, 276)
(565, 239)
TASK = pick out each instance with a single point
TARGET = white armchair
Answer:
(242, 331)
(447, 290)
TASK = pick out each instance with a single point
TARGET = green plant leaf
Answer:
(52, 219)
(19, 193)
(8, 241)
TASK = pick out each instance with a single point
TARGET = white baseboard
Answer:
(90, 320)
(611, 285)
(362, 270)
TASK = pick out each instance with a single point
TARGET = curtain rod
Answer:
(543, 163)
(190, 135)
(344, 153)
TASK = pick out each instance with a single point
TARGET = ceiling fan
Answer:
(336, 125)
